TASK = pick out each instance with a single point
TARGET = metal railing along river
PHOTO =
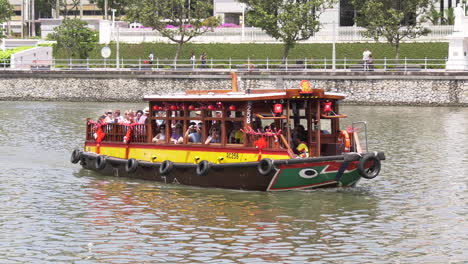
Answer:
(327, 34)
(305, 64)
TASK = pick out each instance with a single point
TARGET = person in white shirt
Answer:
(365, 58)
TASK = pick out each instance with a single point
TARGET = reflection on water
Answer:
(53, 211)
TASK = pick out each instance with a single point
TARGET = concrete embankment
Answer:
(371, 88)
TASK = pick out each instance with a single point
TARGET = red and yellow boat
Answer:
(264, 140)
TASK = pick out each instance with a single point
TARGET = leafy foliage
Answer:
(240, 52)
(175, 19)
(75, 38)
(6, 11)
(393, 20)
(288, 21)
(450, 16)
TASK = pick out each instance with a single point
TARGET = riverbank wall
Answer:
(363, 88)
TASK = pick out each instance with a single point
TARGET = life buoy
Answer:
(166, 167)
(347, 142)
(265, 166)
(100, 162)
(131, 166)
(75, 156)
(203, 167)
(374, 168)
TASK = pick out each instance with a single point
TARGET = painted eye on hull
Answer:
(308, 173)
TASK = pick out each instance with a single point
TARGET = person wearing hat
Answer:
(144, 116)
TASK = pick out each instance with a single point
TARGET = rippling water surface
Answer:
(415, 211)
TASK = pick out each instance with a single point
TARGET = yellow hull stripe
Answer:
(183, 156)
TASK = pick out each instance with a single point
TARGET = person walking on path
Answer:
(203, 60)
(150, 58)
(366, 55)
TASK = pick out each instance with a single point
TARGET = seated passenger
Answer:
(236, 136)
(214, 136)
(117, 117)
(144, 116)
(177, 136)
(138, 115)
(302, 150)
(109, 117)
(193, 134)
(161, 136)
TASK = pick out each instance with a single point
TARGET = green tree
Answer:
(75, 38)
(393, 20)
(450, 16)
(118, 5)
(178, 20)
(434, 16)
(6, 11)
(288, 21)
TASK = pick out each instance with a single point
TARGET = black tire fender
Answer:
(203, 167)
(265, 166)
(76, 156)
(166, 167)
(131, 166)
(100, 162)
(371, 172)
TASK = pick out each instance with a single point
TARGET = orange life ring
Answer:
(344, 134)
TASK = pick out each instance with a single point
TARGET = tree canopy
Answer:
(393, 20)
(75, 38)
(177, 20)
(288, 21)
(6, 11)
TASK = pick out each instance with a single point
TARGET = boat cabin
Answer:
(230, 120)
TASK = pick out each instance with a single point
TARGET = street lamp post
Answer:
(105, 9)
(117, 52)
(113, 17)
(334, 47)
(243, 21)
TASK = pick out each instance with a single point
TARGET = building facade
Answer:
(343, 13)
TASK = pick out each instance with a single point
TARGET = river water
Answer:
(52, 211)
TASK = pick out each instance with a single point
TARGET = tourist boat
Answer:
(257, 139)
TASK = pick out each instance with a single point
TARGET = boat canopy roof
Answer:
(249, 95)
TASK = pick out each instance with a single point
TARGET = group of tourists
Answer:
(129, 117)
(193, 134)
(203, 59)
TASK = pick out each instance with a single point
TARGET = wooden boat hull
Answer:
(280, 176)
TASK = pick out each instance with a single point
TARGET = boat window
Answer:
(234, 133)
(326, 126)
(160, 117)
(195, 115)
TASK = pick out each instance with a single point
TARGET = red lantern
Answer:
(191, 107)
(278, 109)
(210, 107)
(156, 108)
(173, 107)
(219, 105)
(232, 108)
(327, 107)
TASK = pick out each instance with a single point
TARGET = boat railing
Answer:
(272, 141)
(356, 125)
(117, 132)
